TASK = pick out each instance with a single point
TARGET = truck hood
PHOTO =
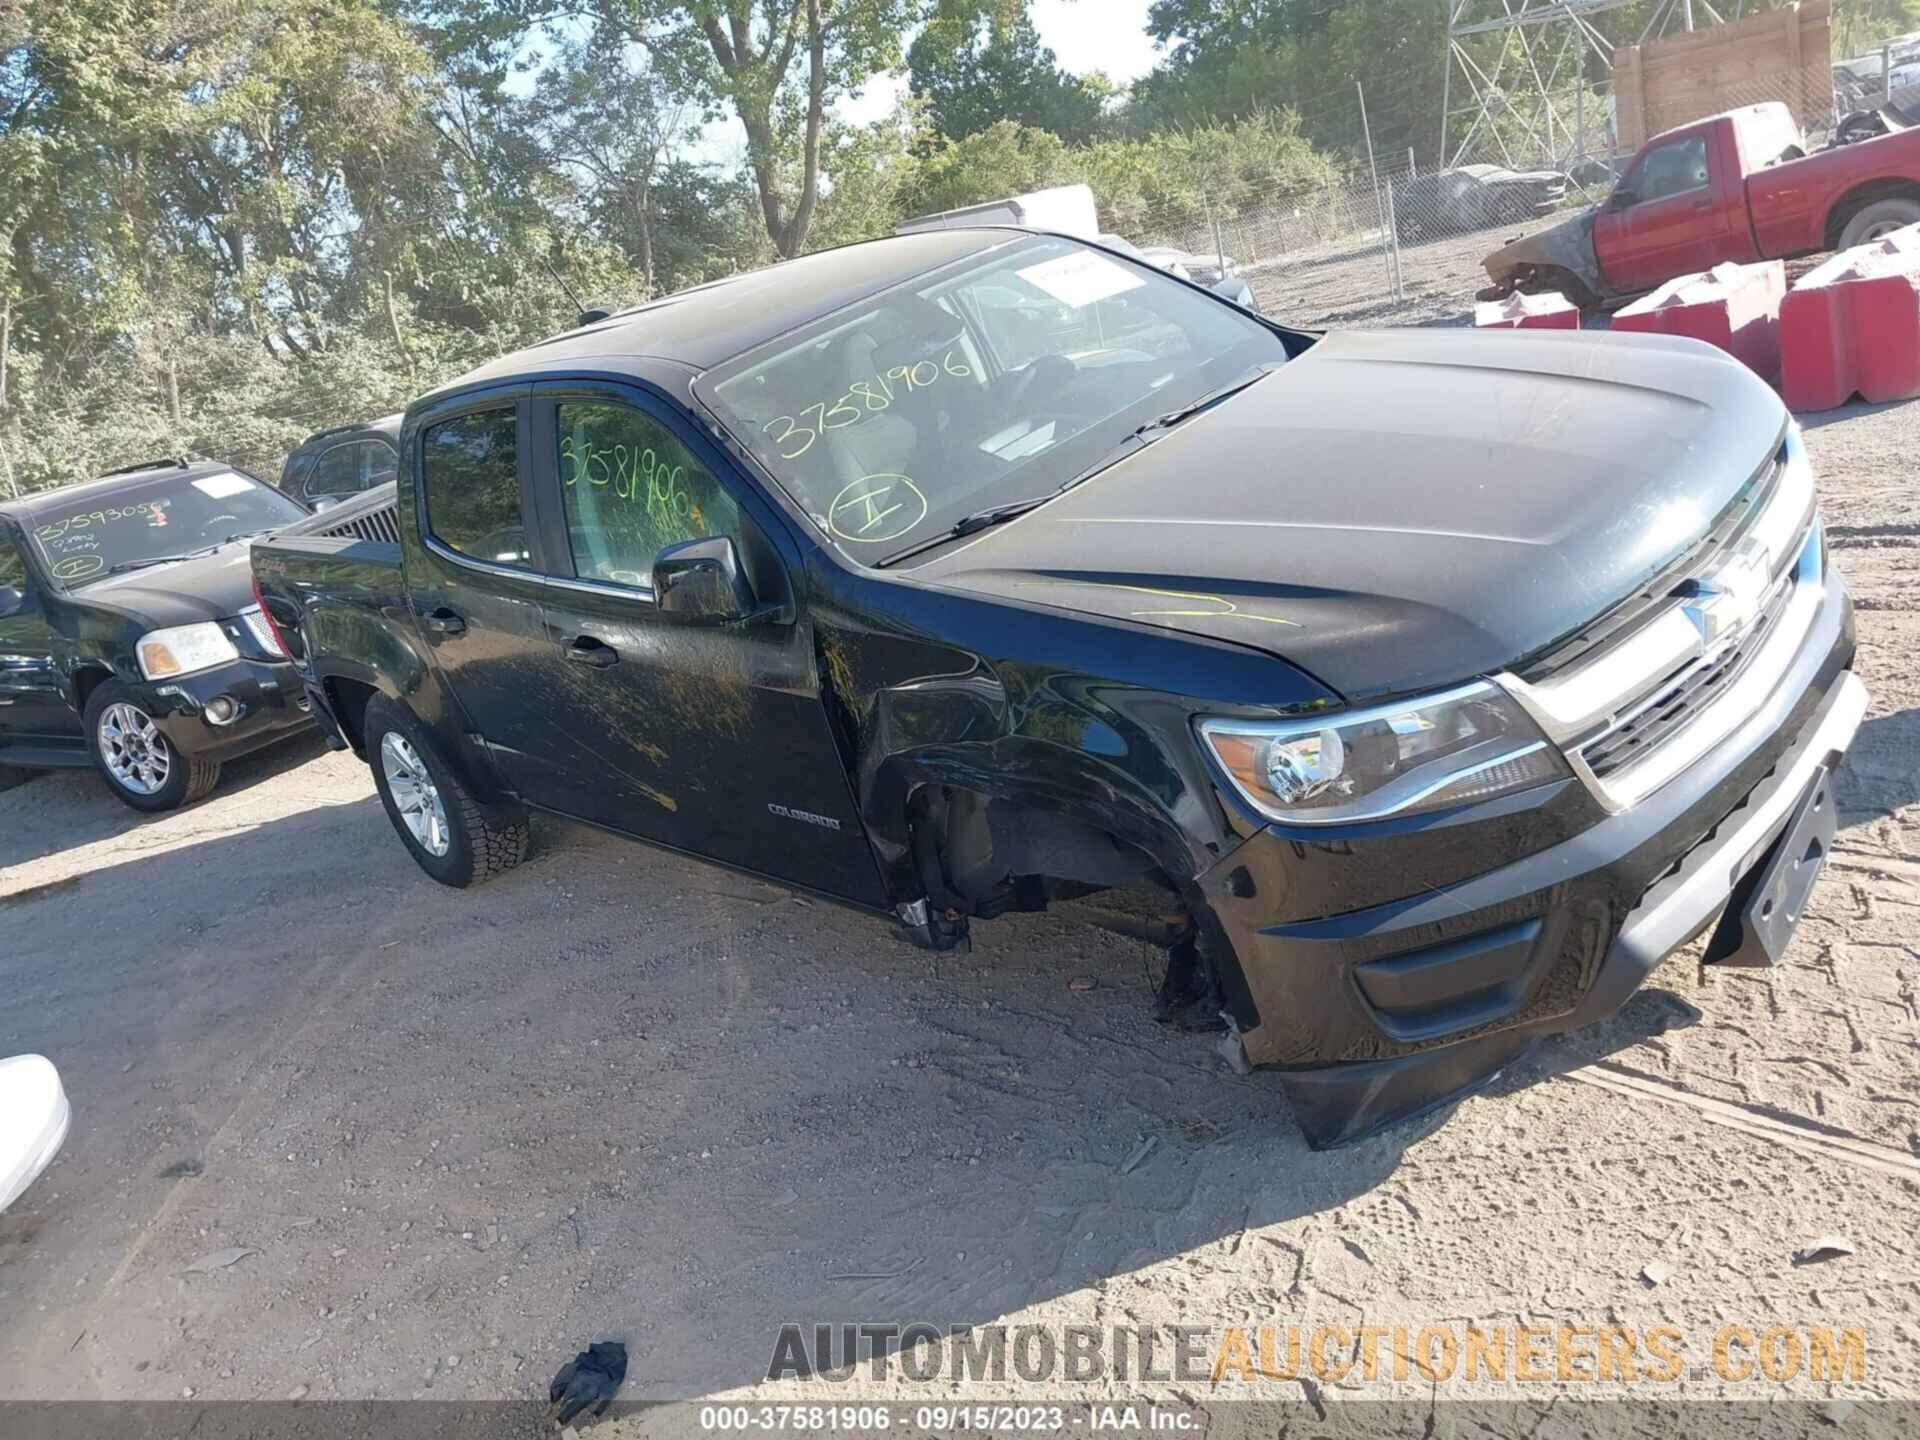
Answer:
(212, 587)
(1397, 511)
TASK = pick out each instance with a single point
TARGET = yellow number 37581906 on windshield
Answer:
(862, 398)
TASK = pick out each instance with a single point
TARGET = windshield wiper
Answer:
(968, 524)
(1204, 402)
(1143, 435)
(249, 534)
(124, 565)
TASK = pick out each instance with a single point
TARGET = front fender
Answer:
(1567, 246)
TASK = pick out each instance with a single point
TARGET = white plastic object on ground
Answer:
(33, 1121)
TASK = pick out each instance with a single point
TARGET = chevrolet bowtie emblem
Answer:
(1726, 602)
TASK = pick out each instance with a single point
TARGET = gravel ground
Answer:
(618, 1094)
(1345, 285)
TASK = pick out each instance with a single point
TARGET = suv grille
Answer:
(1684, 694)
(380, 525)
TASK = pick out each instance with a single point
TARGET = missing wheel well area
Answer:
(979, 855)
(982, 855)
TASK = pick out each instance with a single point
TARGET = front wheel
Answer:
(1882, 217)
(452, 836)
(139, 764)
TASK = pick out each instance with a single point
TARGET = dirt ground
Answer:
(1344, 285)
(619, 1094)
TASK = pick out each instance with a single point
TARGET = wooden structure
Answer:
(1783, 54)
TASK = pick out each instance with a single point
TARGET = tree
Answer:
(608, 114)
(976, 71)
(776, 65)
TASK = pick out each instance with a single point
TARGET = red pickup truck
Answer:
(1734, 187)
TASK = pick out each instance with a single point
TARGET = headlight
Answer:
(1424, 754)
(183, 650)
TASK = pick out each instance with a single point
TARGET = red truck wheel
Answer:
(1880, 218)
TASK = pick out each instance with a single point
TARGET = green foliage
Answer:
(225, 225)
(999, 71)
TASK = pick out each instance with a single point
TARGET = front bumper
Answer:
(1382, 1011)
(267, 697)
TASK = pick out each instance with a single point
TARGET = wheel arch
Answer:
(446, 732)
(86, 679)
(1871, 192)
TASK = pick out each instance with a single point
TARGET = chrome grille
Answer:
(382, 526)
(1658, 593)
(1649, 689)
(1684, 694)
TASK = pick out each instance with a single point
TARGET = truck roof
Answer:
(1768, 112)
(699, 328)
(25, 507)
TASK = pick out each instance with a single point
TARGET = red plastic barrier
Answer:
(1552, 311)
(1853, 326)
(1736, 307)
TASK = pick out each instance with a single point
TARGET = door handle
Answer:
(588, 650)
(444, 622)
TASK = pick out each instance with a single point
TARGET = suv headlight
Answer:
(1418, 755)
(184, 649)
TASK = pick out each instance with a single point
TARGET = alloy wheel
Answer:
(415, 795)
(136, 753)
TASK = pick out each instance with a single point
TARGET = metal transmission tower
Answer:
(1528, 101)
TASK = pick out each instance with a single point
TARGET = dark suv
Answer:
(129, 637)
(338, 464)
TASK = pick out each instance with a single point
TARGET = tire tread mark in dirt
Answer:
(1795, 1132)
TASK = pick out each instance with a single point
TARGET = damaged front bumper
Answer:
(1380, 1011)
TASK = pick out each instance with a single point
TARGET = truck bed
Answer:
(1790, 202)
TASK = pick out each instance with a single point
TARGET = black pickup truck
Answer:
(1437, 684)
(129, 637)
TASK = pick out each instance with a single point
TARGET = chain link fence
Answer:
(1388, 241)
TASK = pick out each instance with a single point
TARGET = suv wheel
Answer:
(452, 836)
(139, 764)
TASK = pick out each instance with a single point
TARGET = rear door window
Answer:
(471, 473)
(378, 463)
(336, 473)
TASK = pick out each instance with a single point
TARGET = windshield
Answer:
(93, 536)
(998, 380)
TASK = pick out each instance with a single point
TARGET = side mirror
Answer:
(325, 503)
(12, 600)
(1237, 290)
(1622, 199)
(702, 580)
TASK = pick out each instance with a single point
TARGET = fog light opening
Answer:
(222, 710)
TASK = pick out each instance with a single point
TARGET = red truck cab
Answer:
(1736, 187)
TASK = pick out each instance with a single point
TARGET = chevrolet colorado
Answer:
(1737, 187)
(1437, 685)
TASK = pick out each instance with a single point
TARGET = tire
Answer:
(1875, 220)
(452, 836)
(139, 764)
